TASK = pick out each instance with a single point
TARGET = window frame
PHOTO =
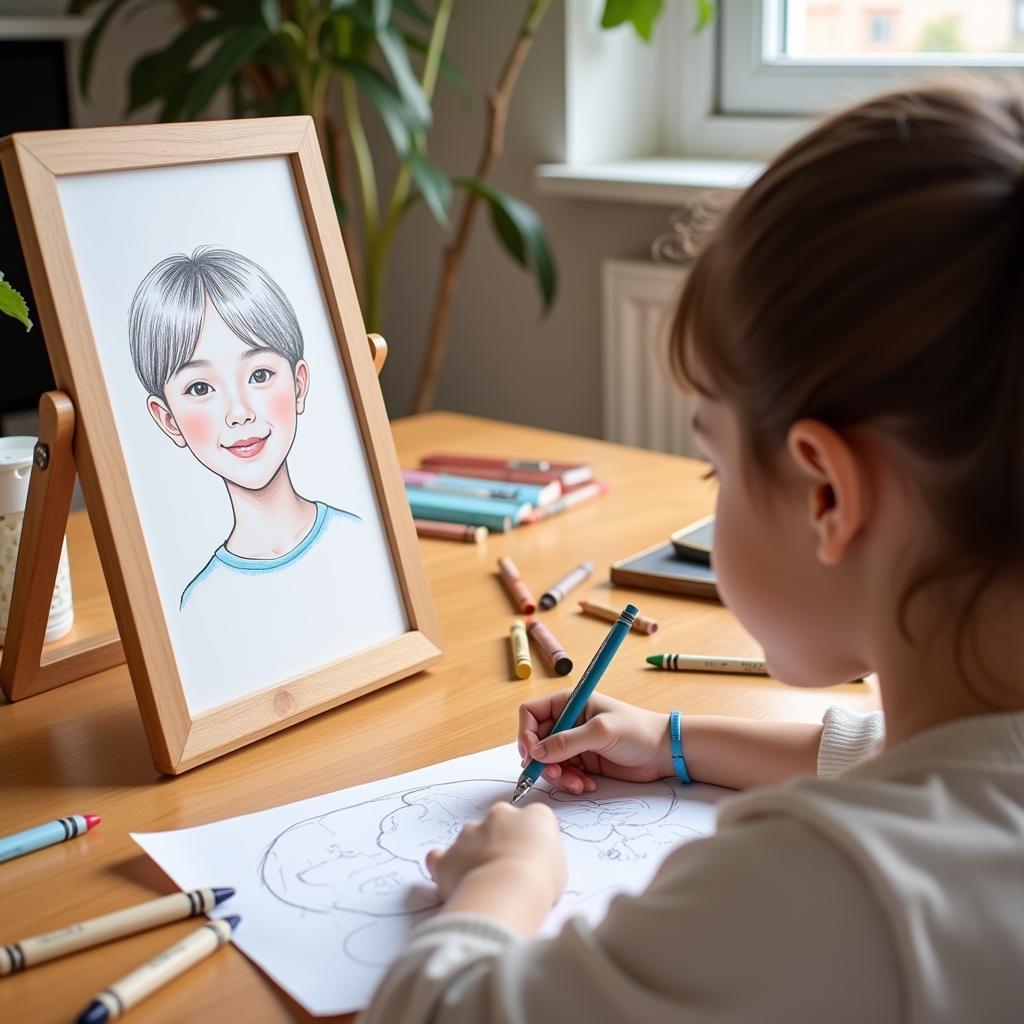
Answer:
(749, 83)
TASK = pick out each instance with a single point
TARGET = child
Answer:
(218, 348)
(855, 333)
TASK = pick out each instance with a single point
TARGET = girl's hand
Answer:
(615, 739)
(512, 849)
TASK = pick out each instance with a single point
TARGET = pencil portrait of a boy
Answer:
(218, 349)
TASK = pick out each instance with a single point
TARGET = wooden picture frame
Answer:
(34, 166)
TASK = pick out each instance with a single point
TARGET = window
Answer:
(802, 56)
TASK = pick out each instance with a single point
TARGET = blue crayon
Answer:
(116, 999)
(46, 835)
(581, 694)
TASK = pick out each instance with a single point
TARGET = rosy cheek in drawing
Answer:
(199, 429)
(281, 406)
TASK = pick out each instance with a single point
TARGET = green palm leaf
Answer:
(521, 232)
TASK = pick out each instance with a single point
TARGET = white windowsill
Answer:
(659, 180)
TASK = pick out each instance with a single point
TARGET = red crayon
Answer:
(517, 589)
(550, 649)
(450, 531)
(530, 471)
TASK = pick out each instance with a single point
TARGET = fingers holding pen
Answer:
(537, 718)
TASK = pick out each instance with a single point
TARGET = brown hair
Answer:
(873, 275)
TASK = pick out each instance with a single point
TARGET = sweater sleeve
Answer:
(765, 921)
(847, 737)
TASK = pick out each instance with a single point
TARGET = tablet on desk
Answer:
(693, 542)
(661, 568)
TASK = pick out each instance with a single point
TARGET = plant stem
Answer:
(366, 177)
(339, 168)
(497, 110)
(378, 243)
(431, 66)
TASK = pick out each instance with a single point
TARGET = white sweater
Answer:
(893, 892)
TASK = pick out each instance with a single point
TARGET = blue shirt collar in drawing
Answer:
(263, 564)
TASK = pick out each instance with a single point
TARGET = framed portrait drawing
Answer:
(231, 438)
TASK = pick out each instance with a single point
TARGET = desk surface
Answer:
(81, 748)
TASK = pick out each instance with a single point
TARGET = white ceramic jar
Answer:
(15, 471)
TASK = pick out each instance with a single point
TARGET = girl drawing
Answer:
(217, 346)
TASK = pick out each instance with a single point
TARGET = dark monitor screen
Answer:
(33, 78)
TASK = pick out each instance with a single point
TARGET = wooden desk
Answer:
(81, 749)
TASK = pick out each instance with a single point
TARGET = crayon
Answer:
(551, 650)
(557, 591)
(497, 516)
(516, 587)
(521, 651)
(568, 500)
(538, 471)
(41, 836)
(97, 930)
(482, 487)
(581, 693)
(707, 663)
(710, 663)
(115, 999)
(642, 624)
(450, 531)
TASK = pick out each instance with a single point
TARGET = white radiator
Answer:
(643, 405)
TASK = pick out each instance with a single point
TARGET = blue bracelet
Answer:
(675, 733)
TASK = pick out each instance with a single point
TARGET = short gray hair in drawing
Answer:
(167, 311)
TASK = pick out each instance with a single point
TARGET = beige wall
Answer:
(504, 361)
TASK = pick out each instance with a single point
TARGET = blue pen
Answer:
(46, 835)
(579, 697)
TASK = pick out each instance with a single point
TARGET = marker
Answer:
(41, 836)
(581, 694)
(642, 624)
(550, 649)
(450, 531)
(114, 1000)
(557, 591)
(97, 930)
(516, 587)
(521, 651)
(702, 663)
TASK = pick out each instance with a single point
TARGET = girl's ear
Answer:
(164, 420)
(837, 486)
(301, 385)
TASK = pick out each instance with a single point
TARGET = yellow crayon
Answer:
(521, 650)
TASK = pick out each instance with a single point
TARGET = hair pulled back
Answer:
(874, 275)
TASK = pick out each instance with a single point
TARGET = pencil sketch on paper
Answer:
(217, 346)
(374, 879)
(343, 872)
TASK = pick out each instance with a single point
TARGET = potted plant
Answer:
(335, 60)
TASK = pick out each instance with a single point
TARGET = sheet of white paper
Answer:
(328, 888)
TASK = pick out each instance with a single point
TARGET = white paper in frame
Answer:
(232, 441)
